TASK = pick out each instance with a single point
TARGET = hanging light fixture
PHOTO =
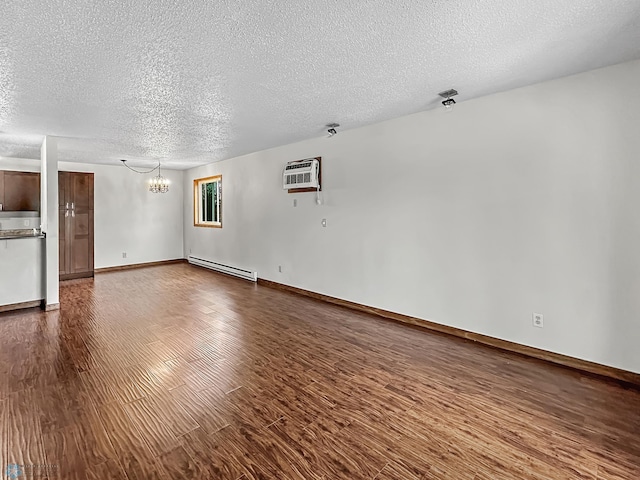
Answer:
(157, 184)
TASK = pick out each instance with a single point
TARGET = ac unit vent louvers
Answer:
(291, 166)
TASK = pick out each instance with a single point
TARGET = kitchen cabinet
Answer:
(75, 208)
(20, 191)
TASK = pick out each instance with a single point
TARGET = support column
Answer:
(49, 220)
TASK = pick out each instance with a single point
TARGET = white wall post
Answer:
(49, 219)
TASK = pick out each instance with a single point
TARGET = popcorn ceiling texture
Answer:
(199, 81)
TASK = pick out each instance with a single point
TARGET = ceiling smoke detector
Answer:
(448, 101)
(331, 129)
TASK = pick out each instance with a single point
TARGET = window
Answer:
(207, 202)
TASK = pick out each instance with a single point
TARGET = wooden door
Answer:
(63, 214)
(81, 224)
(76, 224)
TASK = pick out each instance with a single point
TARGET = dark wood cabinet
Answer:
(75, 194)
(20, 191)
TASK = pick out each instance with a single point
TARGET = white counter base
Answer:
(21, 270)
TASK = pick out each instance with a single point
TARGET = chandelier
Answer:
(157, 184)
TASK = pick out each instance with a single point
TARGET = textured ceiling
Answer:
(199, 81)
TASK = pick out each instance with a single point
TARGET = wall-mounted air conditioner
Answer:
(301, 174)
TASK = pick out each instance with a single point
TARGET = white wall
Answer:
(520, 202)
(127, 217)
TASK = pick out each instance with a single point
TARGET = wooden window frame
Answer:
(196, 201)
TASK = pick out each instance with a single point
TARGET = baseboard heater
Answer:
(219, 267)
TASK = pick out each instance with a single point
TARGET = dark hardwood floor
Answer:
(175, 372)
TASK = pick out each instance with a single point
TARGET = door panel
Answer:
(63, 181)
(82, 242)
(81, 225)
(81, 231)
(82, 191)
(63, 247)
(81, 255)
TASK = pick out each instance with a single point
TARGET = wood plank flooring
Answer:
(174, 372)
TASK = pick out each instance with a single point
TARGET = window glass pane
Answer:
(209, 202)
(203, 209)
(215, 201)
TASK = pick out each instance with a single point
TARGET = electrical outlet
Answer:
(280, 268)
(124, 254)
(538, 320)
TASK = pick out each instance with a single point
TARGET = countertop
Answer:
(26, 233)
